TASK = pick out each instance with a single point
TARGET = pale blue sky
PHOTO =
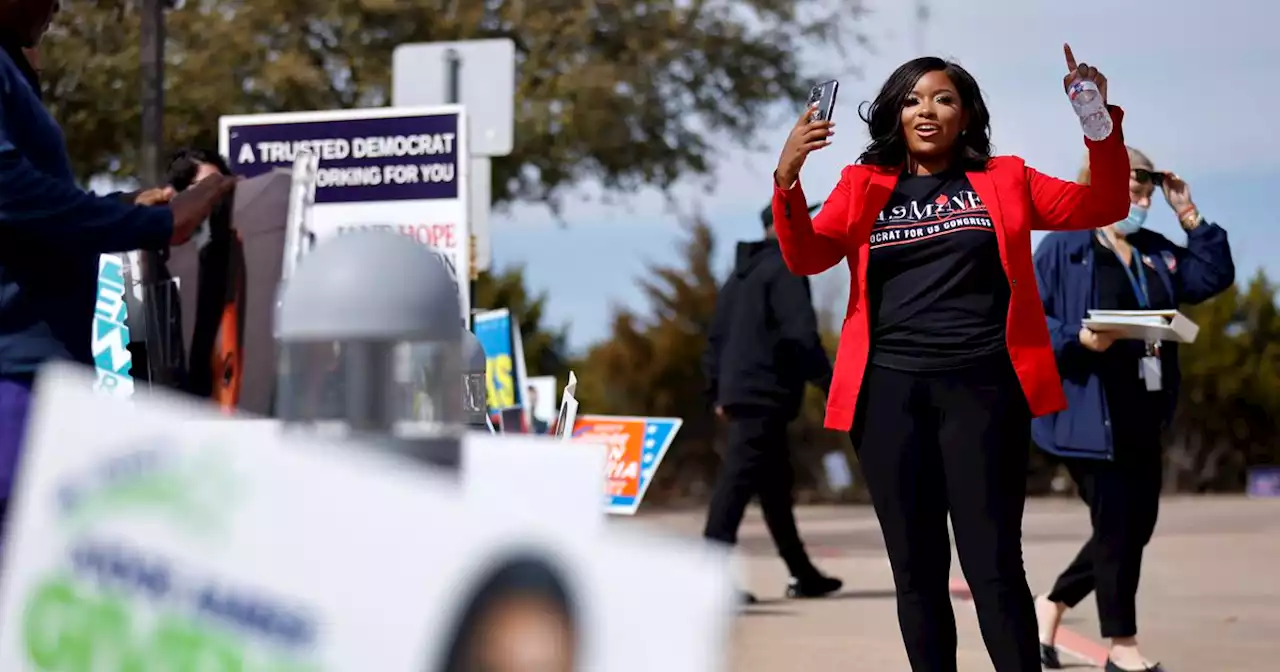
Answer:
(1199, 81)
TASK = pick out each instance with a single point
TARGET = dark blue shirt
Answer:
(51, 234)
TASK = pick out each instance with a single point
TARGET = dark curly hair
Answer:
(888, 146)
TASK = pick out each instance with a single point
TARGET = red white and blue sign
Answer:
(636, 447)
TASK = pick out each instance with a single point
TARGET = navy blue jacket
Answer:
(1064, 271)
(52, 232)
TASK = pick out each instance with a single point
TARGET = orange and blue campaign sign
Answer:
(636, 447)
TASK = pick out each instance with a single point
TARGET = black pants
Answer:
(1124, 500)
(758, 462)
(957, 442)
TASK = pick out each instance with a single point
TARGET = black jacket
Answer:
(764, 345)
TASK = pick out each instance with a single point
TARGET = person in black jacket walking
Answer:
(762, 349)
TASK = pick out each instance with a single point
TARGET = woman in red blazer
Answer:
(944, 353)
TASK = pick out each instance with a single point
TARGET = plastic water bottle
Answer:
(1086, 99)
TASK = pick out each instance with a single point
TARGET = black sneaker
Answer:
(817, 585)
(1049, 657)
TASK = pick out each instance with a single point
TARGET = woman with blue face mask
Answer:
(1121, 393)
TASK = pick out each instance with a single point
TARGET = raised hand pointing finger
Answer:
(1082, 72)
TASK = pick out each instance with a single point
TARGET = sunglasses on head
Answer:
(1144, 176)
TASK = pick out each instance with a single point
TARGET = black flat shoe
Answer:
(818, 585)
(1049, 657)
(1112, 667)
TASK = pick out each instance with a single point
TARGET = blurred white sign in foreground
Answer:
(170, 543)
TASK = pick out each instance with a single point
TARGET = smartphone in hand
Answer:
(824, 95)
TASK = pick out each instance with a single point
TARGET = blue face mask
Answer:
(1132, 223)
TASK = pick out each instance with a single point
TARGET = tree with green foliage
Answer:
(1229, 415)
(636, 93)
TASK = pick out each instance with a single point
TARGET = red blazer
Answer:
(1019, 200)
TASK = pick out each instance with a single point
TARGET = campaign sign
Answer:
(110, 342)
(636, 448)
(181, 542)
(397, 169)
(494, 329)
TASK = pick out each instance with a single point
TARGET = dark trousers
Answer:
(1124, 501)
(953, 442)
(758, 462)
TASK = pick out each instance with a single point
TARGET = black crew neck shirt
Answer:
(1115, 291)
(938, 291)
(1134, 408)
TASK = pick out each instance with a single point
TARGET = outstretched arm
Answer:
(1063, 205)
(812, 245)
(35, 205)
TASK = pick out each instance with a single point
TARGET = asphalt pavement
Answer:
(1209, 601)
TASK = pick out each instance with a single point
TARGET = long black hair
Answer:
(888, 146)
(185, 163)
(521, 575)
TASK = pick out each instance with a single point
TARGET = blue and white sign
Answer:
(110, 342)
(399, 169)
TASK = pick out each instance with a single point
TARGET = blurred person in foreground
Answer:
(1109, 435)
(52, 231)
(944, 354)
(762, 349)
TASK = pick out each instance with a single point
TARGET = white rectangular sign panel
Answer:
(399, 169)
(176, 543)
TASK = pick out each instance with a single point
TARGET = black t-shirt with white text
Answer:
(938, 292)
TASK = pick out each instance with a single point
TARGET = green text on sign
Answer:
(69, 629)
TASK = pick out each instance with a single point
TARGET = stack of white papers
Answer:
(1144, 325)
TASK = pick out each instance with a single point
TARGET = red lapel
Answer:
(880, 186)
(986, 189)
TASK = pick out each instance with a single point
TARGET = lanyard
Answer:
(1137, 282)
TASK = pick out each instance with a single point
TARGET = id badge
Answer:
(1151, 373)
